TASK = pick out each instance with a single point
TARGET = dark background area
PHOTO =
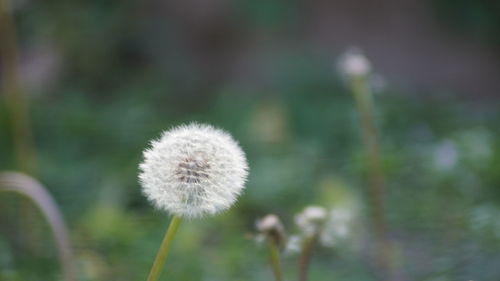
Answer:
(102, 78)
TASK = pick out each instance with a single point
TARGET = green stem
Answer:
(275, 260)
(306, 255)
(364, 100)
(17, 109)
(161, 257)
(15, 100)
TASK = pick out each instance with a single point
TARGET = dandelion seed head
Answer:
(354, 63)
(311, 219)
(269, 223)
(193, 170)
(272, 228)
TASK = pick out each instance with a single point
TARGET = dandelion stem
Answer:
(305, 256)
(275, 260)
(161, 257)
(364, 100)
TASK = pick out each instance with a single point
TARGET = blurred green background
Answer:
(102, 78)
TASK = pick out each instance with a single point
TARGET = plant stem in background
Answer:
(161, 257)
(14, 98)
(272, 229)
(17, 107)
(37, 193)
(364, 100)
(306, 255)
(274, 252)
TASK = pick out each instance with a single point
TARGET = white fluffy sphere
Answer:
(311, 219)
(354, 63)
(193, 170)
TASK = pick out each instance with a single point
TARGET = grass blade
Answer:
(38, 194)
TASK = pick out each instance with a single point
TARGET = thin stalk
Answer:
(306, 255)
(38, 194)
(364, 99)
(15, 100)
(274, 252)
(18, 114)
(166, 244)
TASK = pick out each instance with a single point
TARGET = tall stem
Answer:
(17, 107)
(364, 100)
(275, 260)
(14, 97)
(305, 256)
(166, 244)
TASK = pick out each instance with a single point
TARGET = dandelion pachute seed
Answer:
(193, 171)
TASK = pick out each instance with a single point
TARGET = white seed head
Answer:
(272, 228)
(354, 63)
(193, 170)
(269, 223)
(311, 219)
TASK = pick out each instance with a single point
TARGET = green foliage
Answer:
(441, 157)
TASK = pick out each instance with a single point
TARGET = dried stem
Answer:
(166, 244)
(37, 193)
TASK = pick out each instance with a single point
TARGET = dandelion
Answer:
(357, 68)
(191, 171)
(271, 228)
(354, 63)
(310, 221)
